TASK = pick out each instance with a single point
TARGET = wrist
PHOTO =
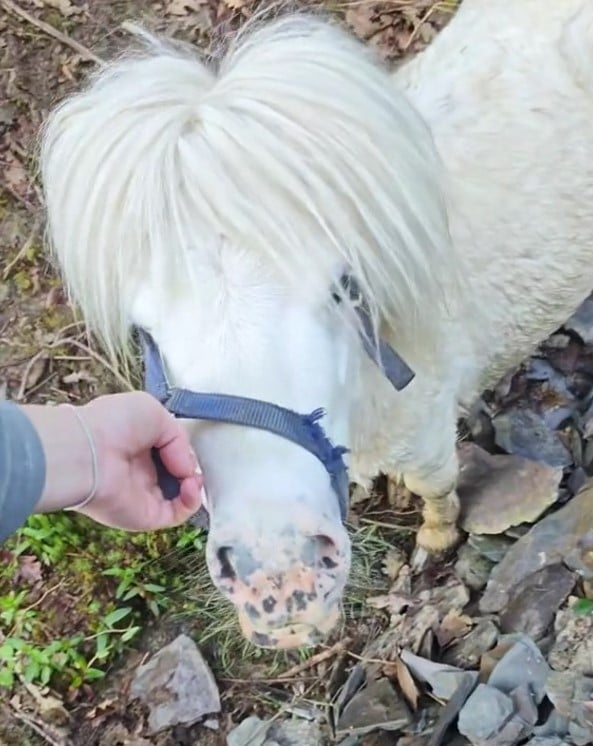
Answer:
(70, 468)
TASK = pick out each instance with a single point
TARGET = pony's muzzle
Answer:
(286, 589)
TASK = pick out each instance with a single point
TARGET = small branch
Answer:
(336, 649)
(43, 730)
(23, 250)
(50, 30)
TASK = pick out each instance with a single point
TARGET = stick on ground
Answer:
(50, 30)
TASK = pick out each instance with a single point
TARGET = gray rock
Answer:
(573, 647)
(522, 432)
(472, 568)
(492, 548)
(177, 686)
(444, 680)
(294, 732)
(485, 712)
(468, 652)
(581, 322)
(250, 732)
(522, 664)
(376, 706)
(533, 603)
(499, 491)
(555, 539)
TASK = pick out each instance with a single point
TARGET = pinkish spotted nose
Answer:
(286, 586)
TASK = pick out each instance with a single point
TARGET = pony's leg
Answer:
(399, 496)
(440, 513)
(432, 475)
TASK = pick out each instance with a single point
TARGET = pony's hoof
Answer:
(437, 539)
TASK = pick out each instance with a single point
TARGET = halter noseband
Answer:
(302, 429)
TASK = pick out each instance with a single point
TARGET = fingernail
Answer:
(204, 498)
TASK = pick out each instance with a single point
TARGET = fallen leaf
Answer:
(15, 175)
(183, 7)
(34, 374)
(442, 678)
(406, 683)
(77, 377)
(364, 19)
(65, 7)
(393, 562)
(452, 627)
(29, 569)
(50, 708)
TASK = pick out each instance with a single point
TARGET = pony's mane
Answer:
(295, 144)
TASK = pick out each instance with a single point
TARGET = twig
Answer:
(50, 30)
(38, 726)
(336, 649)
(23, 387)
(22, 251)
(89, 351)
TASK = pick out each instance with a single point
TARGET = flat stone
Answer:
(492, 548)
(484, 713)
(581, 322)
(177, 686)
(522, 664)
(533, 603)
(560, 537)
(250, 732)
(521, 432)
(294, 732)
(443, 679)
(468, 652)
(376, 706)
(500, 491)
(472, 568)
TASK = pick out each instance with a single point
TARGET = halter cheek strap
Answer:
(302, 429)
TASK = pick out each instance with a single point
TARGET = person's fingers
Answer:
(175, 449)
(168, 513)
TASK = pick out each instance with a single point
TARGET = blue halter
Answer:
(302, 429)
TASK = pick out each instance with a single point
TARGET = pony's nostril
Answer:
(225, 557)
(327, 552)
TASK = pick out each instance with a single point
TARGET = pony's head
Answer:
(216, 207)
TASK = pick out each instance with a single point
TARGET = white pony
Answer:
(217, 205)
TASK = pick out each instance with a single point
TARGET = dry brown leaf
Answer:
(453, 626)
(407, 683)
(50, 708)
(29, 569)
(492, 657)
(65, 7)
(364, 19)
(394, 602)
(35, 373)
(15, 175)
(183, 7)
(392, 563)
(77, 377)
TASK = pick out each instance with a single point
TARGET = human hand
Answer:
(124, 428)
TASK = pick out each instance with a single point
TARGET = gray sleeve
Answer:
(22, 468)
